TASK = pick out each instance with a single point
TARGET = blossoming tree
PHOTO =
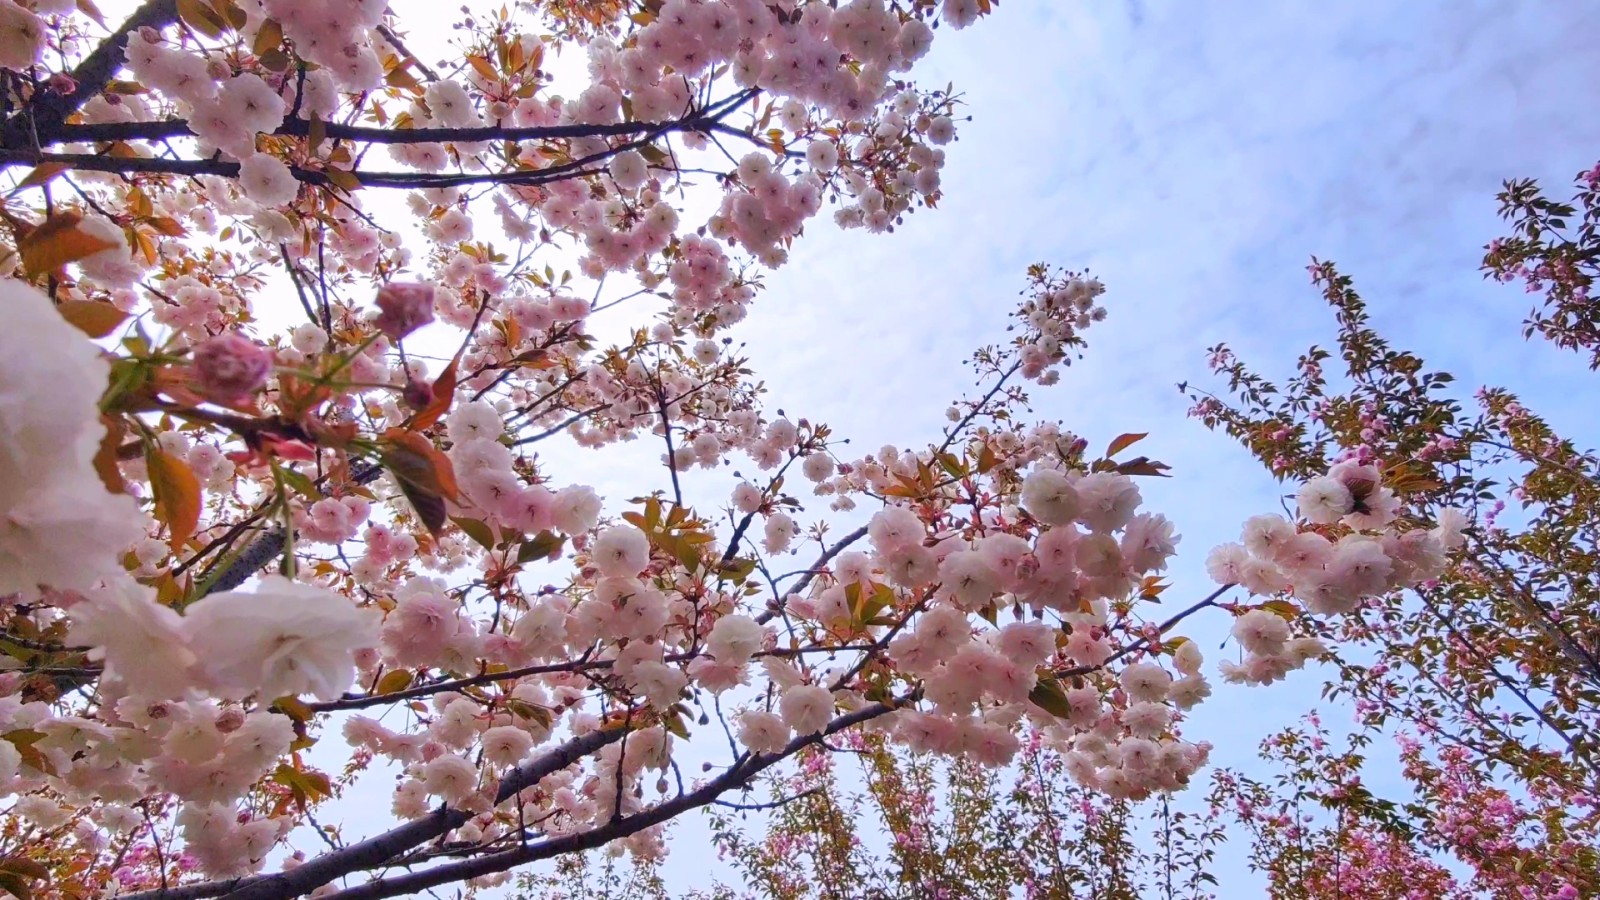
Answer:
(258, 538)
(1490, 673)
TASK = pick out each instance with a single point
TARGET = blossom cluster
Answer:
(232, 538)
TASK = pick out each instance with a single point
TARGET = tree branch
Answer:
(46, 113)
(375, 851)
(740, 773)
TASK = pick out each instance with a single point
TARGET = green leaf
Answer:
(477, 529)
(540, 546)
(1049, 696)
(524, 709)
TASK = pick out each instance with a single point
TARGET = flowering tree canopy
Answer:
(1488, 675)
(259, 536)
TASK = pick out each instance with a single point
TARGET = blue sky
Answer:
(1194, 156)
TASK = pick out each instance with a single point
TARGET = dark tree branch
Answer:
(739, 774)
(366, 134)
(48, 110)
(378, 850)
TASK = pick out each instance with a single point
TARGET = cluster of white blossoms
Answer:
(1347, 552)
(59, 526)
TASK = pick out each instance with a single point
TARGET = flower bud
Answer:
(417, 394)
(231, 367)
(403, 308)
(230, 720)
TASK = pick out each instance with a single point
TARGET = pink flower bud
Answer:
(417, 394)
(403, 308)
(231, 367)
(230, 720)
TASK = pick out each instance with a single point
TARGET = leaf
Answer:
(400, 77)
(986, 459)
(1143, 465)
(24, 739)
(232, 13)
(477, 529)
(305, 786)
(40, 174)
(300, 483)
(1282, 609)
(414, 459)
(89, 9)
(1124, 441)
(27, 868)
(166, 225)
(524, 709)
(444, 393)
(1049, 696)
(16, 886)
(1407, 477)
(482, 67)
(738, 569)
(60, 240)
(268, 38)
(177, 493)
(540, 546)
(673, 722)
(316, 133)
(105, 458)
(343, 178)
(275, 60)
(92, 317)
(393, 682)
(202, 18)
(294, 708)
(951, 465)
(429, 507)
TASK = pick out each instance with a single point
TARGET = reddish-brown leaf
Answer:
(1123, 442)
(444, 393)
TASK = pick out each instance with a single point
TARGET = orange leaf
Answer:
(92, 317)
(105, 458)
(482, 67)
(40, 174)
(57, 242)
(400, 76)
(177, 493)
(444, 393)
(167, 226)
